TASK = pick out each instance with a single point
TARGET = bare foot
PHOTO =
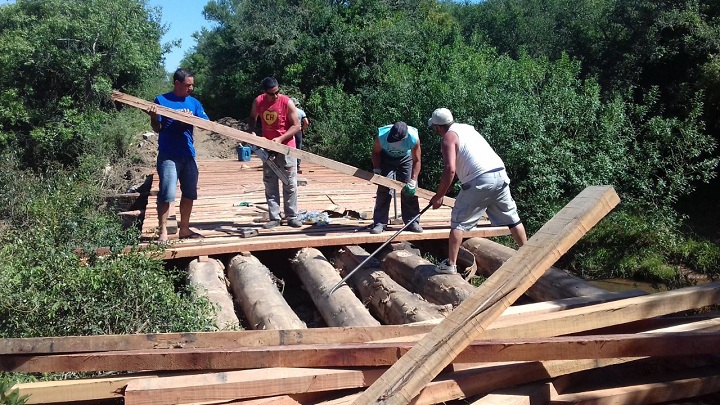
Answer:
(191, 235)
(162, 238)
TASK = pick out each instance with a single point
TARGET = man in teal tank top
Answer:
(397, 149)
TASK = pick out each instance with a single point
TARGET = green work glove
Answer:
(410, 188)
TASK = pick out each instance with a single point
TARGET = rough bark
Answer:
(208, 279)
(418, 275)
(257, 294)
(554, 284)
(341, 308)
(387, 300)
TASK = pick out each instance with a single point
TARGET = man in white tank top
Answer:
(485, 184)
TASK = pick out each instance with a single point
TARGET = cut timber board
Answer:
(270, 145)
(243, 384)
(404, 380)
(371, 354)
(272, 242)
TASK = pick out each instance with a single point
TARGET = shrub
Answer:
(48, 289)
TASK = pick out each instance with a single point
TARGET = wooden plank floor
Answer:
(218, 216)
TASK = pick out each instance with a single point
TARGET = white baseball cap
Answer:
(440, 116)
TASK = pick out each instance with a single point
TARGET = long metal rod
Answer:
(415, 218)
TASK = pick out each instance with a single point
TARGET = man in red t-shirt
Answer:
(279, 124)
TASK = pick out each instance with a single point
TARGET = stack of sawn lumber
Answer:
(581, 345)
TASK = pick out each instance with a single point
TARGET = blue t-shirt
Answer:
(398, 149)
(176, 137)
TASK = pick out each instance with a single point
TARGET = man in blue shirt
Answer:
(397, 149)
(176, 154)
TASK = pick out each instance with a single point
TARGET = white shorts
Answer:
(488, 192)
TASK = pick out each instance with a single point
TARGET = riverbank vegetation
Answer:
(570, 95)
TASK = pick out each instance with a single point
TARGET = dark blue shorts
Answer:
(171, 169)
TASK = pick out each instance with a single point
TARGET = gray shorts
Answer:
(489, 192)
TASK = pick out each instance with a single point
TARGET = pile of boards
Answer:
(578, 345)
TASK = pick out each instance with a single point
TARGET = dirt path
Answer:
(208, 145)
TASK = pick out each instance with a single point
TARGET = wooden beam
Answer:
(548, 324)
(529, 394)
(198, 340)
(489, 377)
(273, 146)
(95, 389)
(664, 388)
(244, 384)
(405, 379)
(371, 354)
(317, 239)
(598, 316)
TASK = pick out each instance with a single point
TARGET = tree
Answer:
(61, 59)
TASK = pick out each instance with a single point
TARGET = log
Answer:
(256, 293)
(342, 308)
(387, 299)
(208, 280)
(554, 284)
(469, 320)
(418, 275)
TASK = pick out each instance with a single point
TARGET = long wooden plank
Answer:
(244, 384)
(273, 146)
(530, 394)
(320, 239)
(413, 371)
(664, 388)
(516, 325)
(95, 389)
(371, 354)
(492, 376)
(218, 340)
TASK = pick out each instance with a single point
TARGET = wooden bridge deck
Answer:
(219, 216)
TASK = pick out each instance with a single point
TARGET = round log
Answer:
(418, 275)
(342, 307)
(256, 293)
(208, 279)
(388, 301)
(553, 285)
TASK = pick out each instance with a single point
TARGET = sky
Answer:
(182, 18)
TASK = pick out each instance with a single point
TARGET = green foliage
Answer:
(640, 247)
(53, 284)
(9, 396)
(61, 59)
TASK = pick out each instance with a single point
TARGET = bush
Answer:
(643, 247)
(53, 284)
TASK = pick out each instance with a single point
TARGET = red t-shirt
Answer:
(274, 117)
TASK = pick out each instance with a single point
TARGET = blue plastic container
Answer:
(243, 153)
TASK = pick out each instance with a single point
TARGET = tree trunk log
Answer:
(342, 308)
(387, 299)
(255, 290)
(553, 285)
(208, 279)
(418, 275)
